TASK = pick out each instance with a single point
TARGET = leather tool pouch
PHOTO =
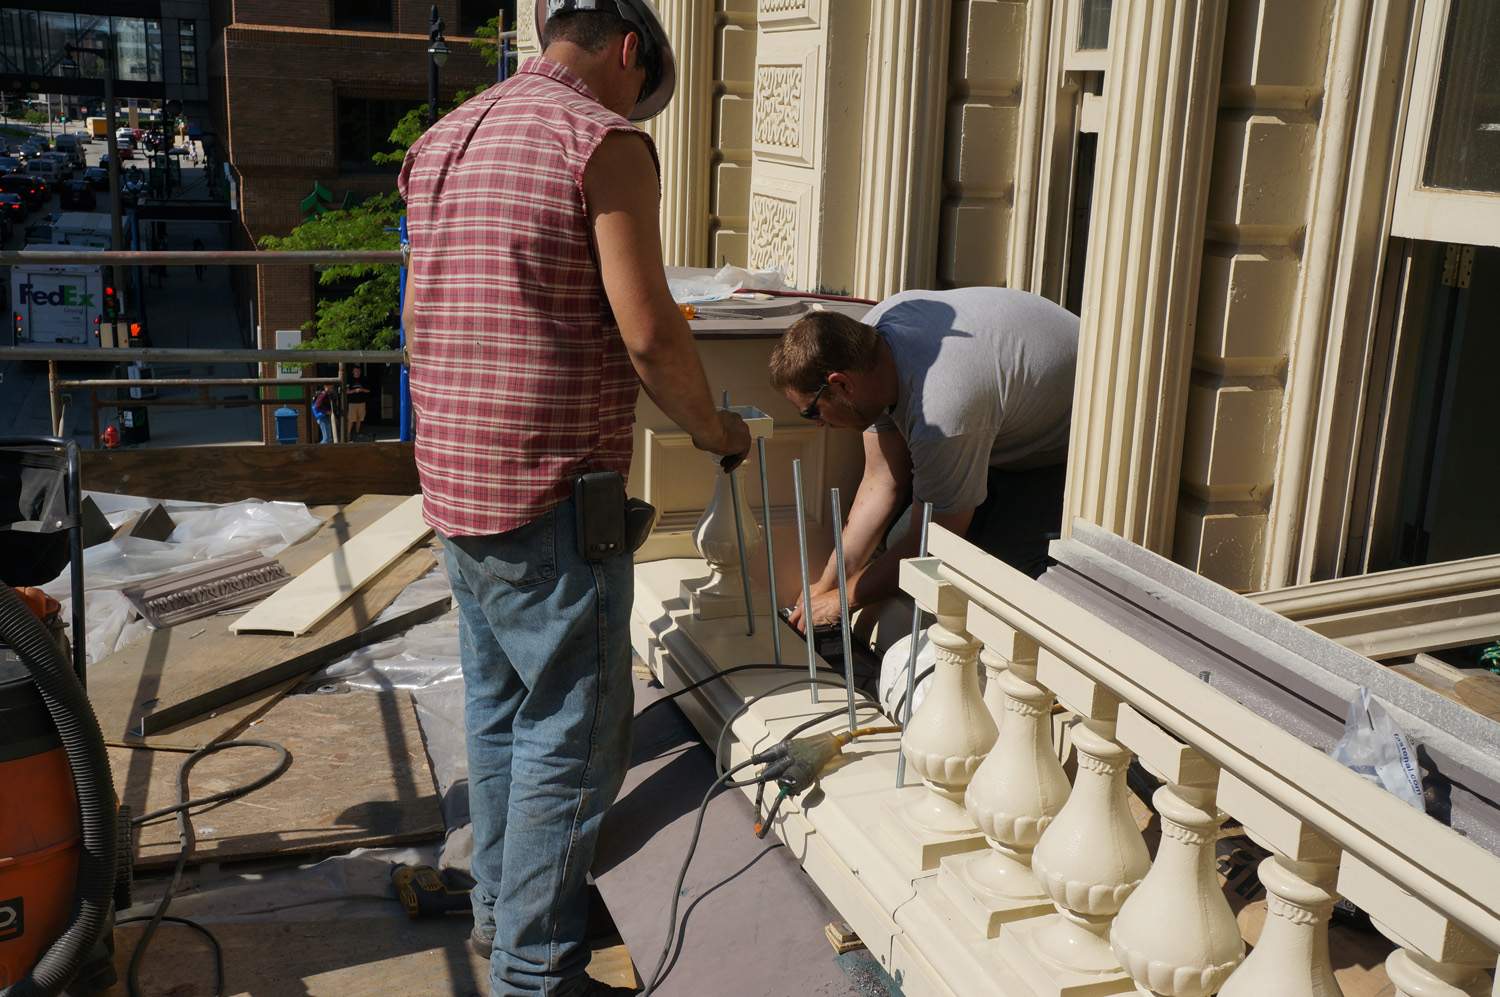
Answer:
(607, 522)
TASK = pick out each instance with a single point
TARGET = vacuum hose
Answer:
(84, 746)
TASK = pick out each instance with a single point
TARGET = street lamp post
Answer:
(437, 55)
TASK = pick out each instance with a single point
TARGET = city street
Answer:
(186, 310)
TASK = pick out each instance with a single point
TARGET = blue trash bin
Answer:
(286, 425)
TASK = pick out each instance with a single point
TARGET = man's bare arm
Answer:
(620, 186)
(882, 578)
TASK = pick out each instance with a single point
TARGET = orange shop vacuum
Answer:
(61, 843)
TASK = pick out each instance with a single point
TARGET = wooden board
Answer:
(272, 664)
(1480, 692)
(327, 474)
(333, 958)
(359, 777)
(120, 685)
(315, 594)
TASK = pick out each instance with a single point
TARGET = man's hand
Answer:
(825, 610)
(732, 439)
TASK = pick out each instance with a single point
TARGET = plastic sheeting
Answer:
(700, 287)
(203, 532)
(423, 661)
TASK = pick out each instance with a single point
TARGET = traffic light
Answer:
(136, 339)
(111, 304)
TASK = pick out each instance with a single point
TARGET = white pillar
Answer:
(1415, 975)
(1291, 957)
(682, 136)
(1140, 293)
(716, 539)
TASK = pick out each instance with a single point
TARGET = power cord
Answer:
(185, 836)
(716, 676)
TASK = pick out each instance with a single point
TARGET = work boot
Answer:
(597, 989)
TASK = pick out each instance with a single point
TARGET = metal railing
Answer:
(55, 355)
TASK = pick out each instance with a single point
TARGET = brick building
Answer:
(306, 91)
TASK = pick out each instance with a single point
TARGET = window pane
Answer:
(1093, 24)
(187, 50)
(362, 14)
(365, 129)
(472, 14)
(1449, 477)
(1464, 153)
(130, 49)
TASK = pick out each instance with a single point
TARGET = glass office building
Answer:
(47, 44)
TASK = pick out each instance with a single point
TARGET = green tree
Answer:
(357, 307)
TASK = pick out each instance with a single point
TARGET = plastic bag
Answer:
(1374, 747)
(702, 289)
(893, 673)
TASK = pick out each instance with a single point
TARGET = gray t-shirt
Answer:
(986, 380)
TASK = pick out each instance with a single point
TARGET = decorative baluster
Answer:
(1176, 934)
(722, 594)
(1017, 791)
(995, 665)
(948, 736)
(1415, 975)
(1435, 956)
(1291, 956)
(1090, 858)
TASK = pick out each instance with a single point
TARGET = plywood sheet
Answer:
(319, 591)
(310, 958)
(359, 777)
(122, 685)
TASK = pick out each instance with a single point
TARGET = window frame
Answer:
(1435, 214)
(1082, 60)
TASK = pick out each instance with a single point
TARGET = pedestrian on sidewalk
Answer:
(357, 396)
(534, 312)
(198, 247)
(322, 407)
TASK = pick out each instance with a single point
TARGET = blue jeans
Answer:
(545, 645)
(325, 427)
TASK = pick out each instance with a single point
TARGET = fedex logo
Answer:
(68, 297)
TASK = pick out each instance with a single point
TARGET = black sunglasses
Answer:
(811, 412)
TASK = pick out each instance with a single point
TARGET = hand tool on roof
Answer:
(425, 892)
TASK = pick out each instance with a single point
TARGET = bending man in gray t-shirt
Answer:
(964, 397)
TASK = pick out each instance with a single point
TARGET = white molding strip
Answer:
(305, 601)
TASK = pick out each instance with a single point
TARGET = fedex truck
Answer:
(57, 305)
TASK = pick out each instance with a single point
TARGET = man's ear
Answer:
(630, 50)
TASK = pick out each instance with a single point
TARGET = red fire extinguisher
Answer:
(110, 437)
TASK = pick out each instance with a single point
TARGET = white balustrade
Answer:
(1176, 934)
(1291, 957)
(716, 539)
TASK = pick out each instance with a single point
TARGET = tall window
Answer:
(364, 129)
(187, 50)
(363, 14)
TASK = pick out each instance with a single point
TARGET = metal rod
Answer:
(765, 515)
(153, 354)
(838, 551)
(911, 655)
(52, 397)
(195, 382)
(210, 257)
(739, 536)
(812, 654)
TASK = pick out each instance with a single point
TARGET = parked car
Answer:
(79, 195)
(6, 228)
(27, 187)
(10, 164)
(13, 208)
(97, 177)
